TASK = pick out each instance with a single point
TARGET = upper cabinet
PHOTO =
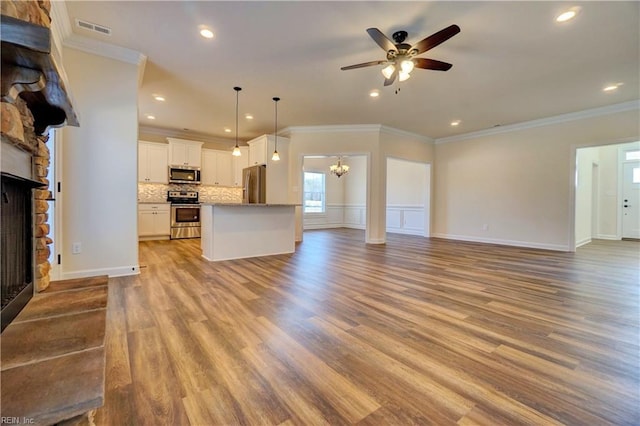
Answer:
(153, 161)
(217, 168)
(261, 149)
(185, 153)
(258, 151)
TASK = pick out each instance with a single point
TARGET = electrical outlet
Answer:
(76, 248)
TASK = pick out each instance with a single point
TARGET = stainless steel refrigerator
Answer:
(254, 184)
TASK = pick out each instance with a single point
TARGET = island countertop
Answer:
(250, 204)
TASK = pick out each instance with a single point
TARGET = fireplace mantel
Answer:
(29, 71)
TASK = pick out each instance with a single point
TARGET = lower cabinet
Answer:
(154, 220)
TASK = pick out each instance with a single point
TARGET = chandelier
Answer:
(339, 169)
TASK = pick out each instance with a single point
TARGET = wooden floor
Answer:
(417, 331)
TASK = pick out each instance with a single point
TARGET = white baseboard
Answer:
(376, 241)
(607, 237)
(322, 225)
(405, 231)
(351, 226)
(583, 242)
(111, 272)
(515, 243)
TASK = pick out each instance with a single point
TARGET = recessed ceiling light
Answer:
(455, 122)
(374, 93)
(248, 116)
(227, 130)
(611, 87)
(151, 117)
(568, 15)
(159, 98)
(206, 32)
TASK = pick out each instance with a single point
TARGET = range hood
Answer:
(29, 71)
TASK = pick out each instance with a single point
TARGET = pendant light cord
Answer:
(275, 127)
(237, 89)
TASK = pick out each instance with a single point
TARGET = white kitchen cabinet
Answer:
(153, 161)
(260, 152)
(185, 153)
(240, 163)
(217, 167)
(154, 220)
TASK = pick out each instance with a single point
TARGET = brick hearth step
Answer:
(53, 358)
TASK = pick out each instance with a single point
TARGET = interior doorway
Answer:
(332, 201)
(604, 180)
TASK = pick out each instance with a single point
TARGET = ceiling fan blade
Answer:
(435, 39)
(366, 64)
(381, 39)
(431, 64)
(389, 81)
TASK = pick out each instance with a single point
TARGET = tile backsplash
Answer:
(157, 192)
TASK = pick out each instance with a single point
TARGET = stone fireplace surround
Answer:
(53, 360)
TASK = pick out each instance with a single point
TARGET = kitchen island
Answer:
(238, 230)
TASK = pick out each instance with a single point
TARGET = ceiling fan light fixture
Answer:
(388, 70)
(407, 65)
(403, 76)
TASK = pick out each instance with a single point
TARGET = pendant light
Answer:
(276, 156)
(236, 149)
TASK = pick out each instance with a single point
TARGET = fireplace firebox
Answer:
(16, 250)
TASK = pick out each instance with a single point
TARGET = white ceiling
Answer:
(511, 62)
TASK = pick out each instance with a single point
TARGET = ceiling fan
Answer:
(401, 58)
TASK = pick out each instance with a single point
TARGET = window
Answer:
(314, 192)
(632, 155)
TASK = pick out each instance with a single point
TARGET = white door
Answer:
(631, 200)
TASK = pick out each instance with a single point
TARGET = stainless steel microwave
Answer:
(184, 174)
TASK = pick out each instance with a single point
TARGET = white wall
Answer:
(99, 168)
(587, 193)
(407, 192)
(520, 184)
(608, 213)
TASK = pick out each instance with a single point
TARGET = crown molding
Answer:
(558, 119)
(404, 133)
(60, 24)
(337, 128)
(354, 128)
(181, 134)
(64, 36)
(107, 50)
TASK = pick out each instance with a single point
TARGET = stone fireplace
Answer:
(34, 98)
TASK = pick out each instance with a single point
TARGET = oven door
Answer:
(184, 216)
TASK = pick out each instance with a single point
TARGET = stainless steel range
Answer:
(185, 214)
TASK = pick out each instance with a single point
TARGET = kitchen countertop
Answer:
(153, 202)
(250, 204)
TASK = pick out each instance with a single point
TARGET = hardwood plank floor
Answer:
(417, 331)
